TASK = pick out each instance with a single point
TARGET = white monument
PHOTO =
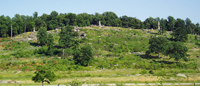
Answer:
(33, 29)
(99, 23)
(158, 25)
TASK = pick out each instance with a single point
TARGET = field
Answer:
(119, 57)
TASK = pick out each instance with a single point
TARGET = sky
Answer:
(141, 9)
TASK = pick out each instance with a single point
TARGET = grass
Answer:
(108, 44)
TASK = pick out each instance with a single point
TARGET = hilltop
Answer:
(119, 53)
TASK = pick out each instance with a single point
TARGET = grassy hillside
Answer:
(119, 56)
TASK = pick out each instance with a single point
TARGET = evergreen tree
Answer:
(157, 45)
(50, 43)
(42, 35)
(67, 36)
(83, 56)
(180, 34)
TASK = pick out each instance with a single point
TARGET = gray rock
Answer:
(172, 79)
(3, 81)
(138, 74)
(181, 75)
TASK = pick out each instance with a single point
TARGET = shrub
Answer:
(22, 53)
(75, 82)
(151, 72)
(87, 75)
(41, 50)
(143, 72)
(160, 73)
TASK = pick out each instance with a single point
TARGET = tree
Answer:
(50, 43)
(83, 56)
(157, 45)
(42, 35)
(67, 36)
(177, 51)
(43, 74)
(180, 34)
(171, 23)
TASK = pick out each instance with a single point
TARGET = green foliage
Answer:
(83, 56)
(1, 77)
(67, 36)
(41, 50)
(143, 72)
(151, 72)
(180, 34)
(119, 84)
(157, 45)
(177, 51)
(23, 53)
(44, 74)
(42, 35)
(50, 43)
(75, 82)
(160, 73)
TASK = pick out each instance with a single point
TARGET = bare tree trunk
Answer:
(63, 52)
(158, 54)
(24, 28)
(42, 83)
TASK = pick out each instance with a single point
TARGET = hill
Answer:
(119, 57)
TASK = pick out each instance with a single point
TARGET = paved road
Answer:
(129, 84)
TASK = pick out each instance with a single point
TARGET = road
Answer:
(130, 84)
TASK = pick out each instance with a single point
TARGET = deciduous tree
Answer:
(43, 74)
(157, 45)
(177, 51)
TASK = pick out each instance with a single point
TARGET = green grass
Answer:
(112, 49)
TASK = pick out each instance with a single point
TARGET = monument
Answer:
(33, 29)
(158, 25)
(99, 23)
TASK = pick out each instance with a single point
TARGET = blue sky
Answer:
(140, 9)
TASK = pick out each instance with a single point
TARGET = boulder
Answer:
(181, 75)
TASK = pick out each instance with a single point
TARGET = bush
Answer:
(75, 82)
(151, 72)
(41, 50)
(160, 73)
(4, 56)
(22, 53)
(87, 75)
(143, 72)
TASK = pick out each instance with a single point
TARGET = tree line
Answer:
(22, 23)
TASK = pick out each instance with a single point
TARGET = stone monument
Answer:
(33, 29)
(158, 25)
(99, 23)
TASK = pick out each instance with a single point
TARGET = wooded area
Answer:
(22, 23)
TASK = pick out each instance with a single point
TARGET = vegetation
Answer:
(66, 37)
(43, 75)
(106, 55)
(83, 56)
(157, 45)
(42, 36)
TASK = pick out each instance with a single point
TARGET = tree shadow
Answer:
(149, 57)
(198, 44)
(156, 57)
(165, 62)
(35, 44)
